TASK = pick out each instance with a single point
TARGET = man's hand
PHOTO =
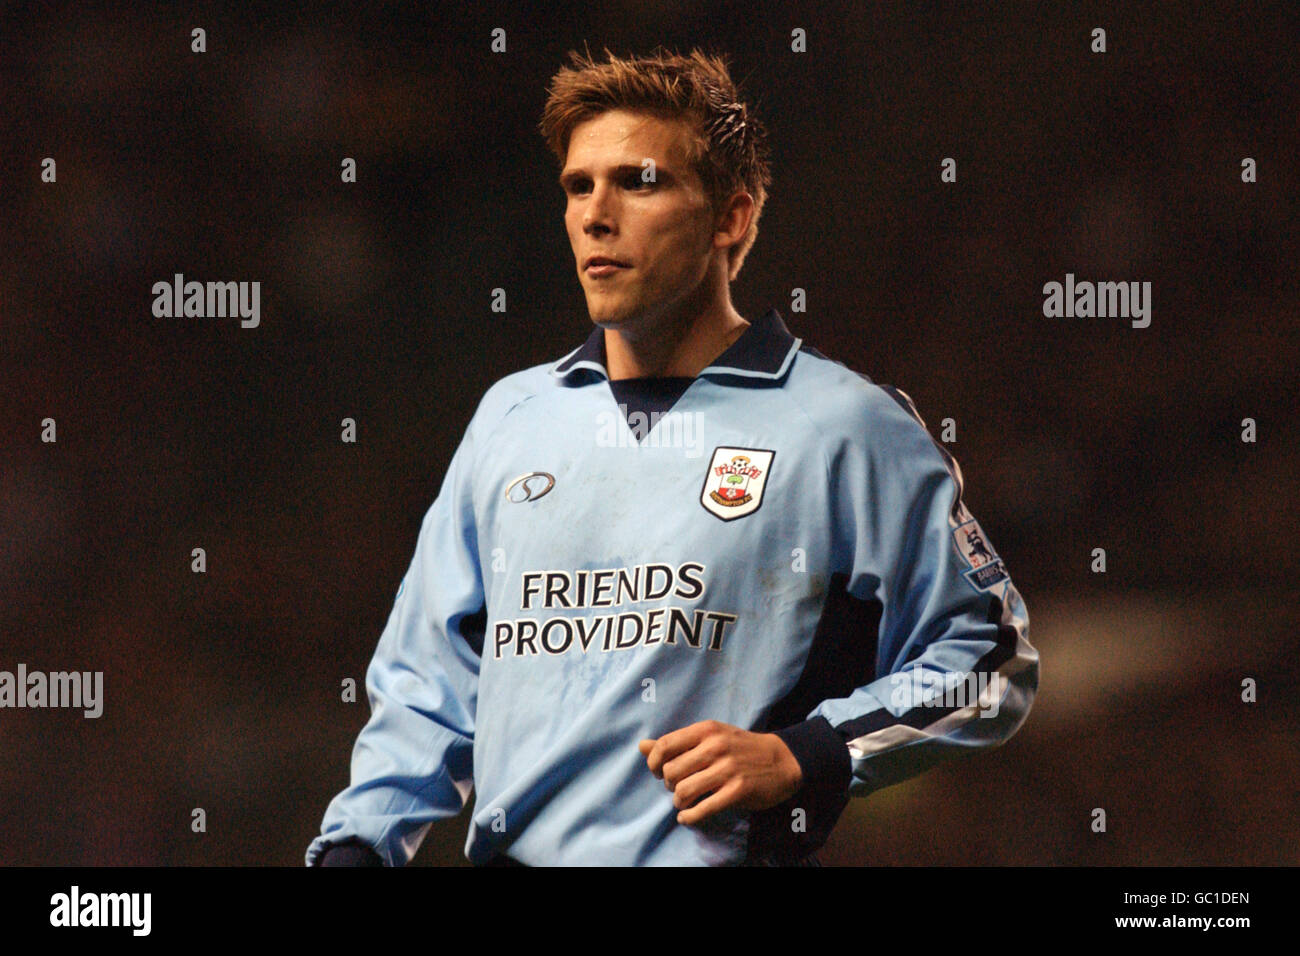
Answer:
(738, 768)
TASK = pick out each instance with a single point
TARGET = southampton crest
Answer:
(734, 483)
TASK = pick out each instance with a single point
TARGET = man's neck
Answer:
(673, 348)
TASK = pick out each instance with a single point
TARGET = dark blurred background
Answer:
(222, 689)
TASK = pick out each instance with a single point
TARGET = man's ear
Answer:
(732, 222)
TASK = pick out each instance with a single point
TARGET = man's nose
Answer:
(599, 213)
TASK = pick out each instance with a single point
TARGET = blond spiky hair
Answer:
(729, 149)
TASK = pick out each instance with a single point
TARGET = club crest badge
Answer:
(986, 569)
(734, 483)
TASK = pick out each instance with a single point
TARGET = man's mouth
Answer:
(597, 266)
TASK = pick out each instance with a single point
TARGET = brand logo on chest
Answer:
(529, 487)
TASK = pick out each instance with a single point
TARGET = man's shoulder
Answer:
(844, 401)
(524, 383)
(509, 392)
(861, 418)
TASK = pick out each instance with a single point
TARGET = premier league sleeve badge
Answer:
(985, 568)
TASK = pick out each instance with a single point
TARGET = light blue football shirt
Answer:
(786, 550)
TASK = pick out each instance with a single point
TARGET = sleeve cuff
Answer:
(822, 754)
(349, 853)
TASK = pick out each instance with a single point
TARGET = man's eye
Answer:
(634, 181)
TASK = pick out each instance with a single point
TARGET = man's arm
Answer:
(955, 672)
(412, 763)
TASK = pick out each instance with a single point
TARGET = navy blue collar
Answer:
(762, 355)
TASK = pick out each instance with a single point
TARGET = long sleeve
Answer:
(954, 669)
(412, 763)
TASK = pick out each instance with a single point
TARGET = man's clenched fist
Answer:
(725, 765)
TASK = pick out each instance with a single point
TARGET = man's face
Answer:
(661, 231)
